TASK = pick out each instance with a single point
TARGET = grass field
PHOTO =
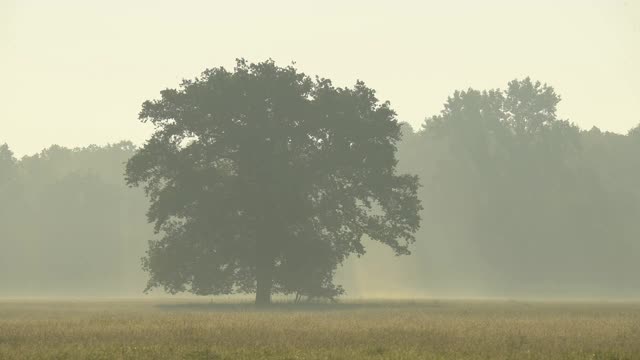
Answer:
(187, 329)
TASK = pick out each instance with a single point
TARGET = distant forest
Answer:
(511, 208)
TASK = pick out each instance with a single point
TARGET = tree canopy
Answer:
(264, 179)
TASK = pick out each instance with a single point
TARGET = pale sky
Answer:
(75, 72)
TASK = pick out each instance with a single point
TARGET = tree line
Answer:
(68, 223)
(524, 202)
(498, 193)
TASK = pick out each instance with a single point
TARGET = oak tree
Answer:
(263, 179)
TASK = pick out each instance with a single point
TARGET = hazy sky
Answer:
(76, 72)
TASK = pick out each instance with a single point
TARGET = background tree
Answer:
(7, 165)
(521, 202)
(249, 170)
(69, 224)
(635, 132)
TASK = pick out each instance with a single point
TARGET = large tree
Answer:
(263, 179)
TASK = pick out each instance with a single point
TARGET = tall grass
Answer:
(353, 330)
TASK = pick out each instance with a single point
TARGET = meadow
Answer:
(427, 329)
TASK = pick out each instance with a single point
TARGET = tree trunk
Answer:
(264, 279)
(270, 231)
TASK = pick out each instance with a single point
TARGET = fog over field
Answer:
(505, 165)
(71, 227)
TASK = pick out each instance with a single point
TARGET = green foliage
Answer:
(263, 172)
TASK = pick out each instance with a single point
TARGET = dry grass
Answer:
(384, 330)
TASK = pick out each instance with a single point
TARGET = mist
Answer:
(320, 179)
(71, 227)
(540, 200)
